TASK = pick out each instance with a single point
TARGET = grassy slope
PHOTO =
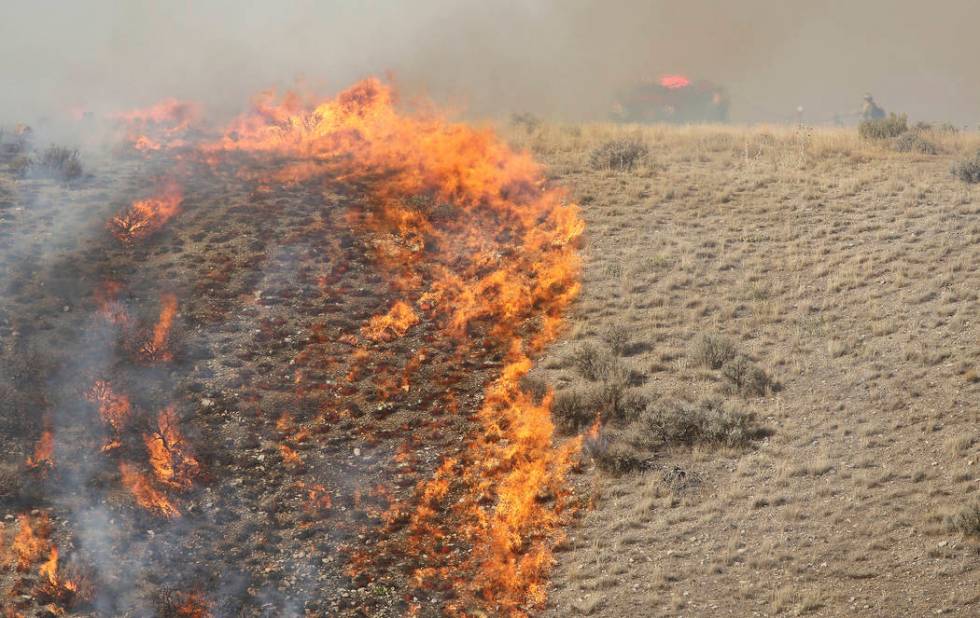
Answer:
(851, 274)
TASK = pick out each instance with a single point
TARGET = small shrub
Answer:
(614, 453)
(968, 170)
(619, 154)
(591, 362)
(745, 376)
(965, 521)
(60, 163)
(712, 350)
(884, 128)
(572, 411)
(11, 481)
(912, 141)
(706, 422)
(618, 337)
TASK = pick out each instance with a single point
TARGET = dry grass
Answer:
(841, 270)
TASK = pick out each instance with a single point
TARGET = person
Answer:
(870, 110)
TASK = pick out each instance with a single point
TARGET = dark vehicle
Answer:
(672, 99)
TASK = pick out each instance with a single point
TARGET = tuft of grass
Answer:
(712, 350)
(619, 154)
(884, 128)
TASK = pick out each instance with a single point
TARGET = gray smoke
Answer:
(561, 58)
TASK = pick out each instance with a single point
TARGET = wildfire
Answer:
(172, 462)
(43, 451)
(467, 231)
(146, 217)
(393, 324)
(156, 348)
(114, 409)
(674, 81)
(159, 125)
(31, 540)
(145, 494)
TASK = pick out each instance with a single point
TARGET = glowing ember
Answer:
(674, 81)
(146, 217)
(145, 494)
(156, 348)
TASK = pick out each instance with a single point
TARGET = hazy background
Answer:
(561, 58)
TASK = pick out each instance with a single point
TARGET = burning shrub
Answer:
(913, 141)
(884, 128)
(60, 163)
(619, 154)
(712, 350)
(968, 170)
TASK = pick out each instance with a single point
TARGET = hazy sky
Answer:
(555, 57)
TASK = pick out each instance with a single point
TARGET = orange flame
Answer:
(114, 409)
(391, 325)
(145, 494)
(31, 540)
(43, 451)
(146, 217)
(172, 462)
(674, 82)
(156, 348)
(165, 121)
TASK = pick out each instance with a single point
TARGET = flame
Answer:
(31, 540)
(43, 451)
(146, 217)
(393, 324)
(114, 409)
(145, 494)
(109, 306)
(674, 81)
(166, 121)
(172, 462)
(156, 348)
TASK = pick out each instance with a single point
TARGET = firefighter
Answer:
(871, 110)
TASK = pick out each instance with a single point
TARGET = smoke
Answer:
(561, 58)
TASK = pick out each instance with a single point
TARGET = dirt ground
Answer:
(850, 274)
